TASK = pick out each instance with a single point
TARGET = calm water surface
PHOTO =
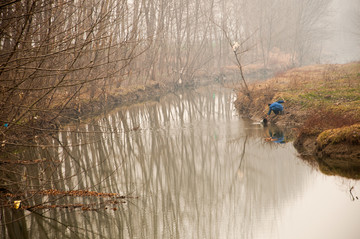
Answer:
(200, 171)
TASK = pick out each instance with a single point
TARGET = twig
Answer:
(352, 196)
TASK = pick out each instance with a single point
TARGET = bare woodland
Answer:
(56, 54)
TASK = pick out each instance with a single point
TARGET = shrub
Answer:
(319, 120)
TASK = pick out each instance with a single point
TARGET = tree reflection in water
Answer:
(199, 170)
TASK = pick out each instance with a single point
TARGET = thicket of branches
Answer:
(54, 54)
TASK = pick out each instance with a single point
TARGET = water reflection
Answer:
(345, 168)
(199, 169)
(275, 135)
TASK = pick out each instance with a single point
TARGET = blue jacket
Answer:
(276, 107)
(277, 137)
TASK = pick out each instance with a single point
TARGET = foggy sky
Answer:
(342, 44)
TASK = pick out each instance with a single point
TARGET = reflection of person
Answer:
(276, 135)
(276, 107)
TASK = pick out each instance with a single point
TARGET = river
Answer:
(190, 167)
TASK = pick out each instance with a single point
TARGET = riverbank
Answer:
(86, 105)
(83, 107)
(322, 105)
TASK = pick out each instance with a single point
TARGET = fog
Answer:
(65, 61)
(343, 43)
(59, 54)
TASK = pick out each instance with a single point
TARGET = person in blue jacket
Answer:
(276, 135)
(276, 107)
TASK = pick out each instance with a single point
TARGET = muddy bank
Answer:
(334, 158)
(152, 91)
(121, 97)
(42, 124)
(337, 159)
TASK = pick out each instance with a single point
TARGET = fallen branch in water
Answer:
(26, 162)
(18, 204)
(352, 196)
(79, 193)
(73, 193)
(84, 207)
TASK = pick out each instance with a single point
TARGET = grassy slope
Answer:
(318, 98)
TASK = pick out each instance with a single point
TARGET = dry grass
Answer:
(320, 96)
(319, 120)
(349, 134)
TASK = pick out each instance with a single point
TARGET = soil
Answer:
(127, 96)
(306, 145)
(48, 123)
(131, 96)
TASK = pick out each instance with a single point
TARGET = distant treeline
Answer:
(55, 52)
